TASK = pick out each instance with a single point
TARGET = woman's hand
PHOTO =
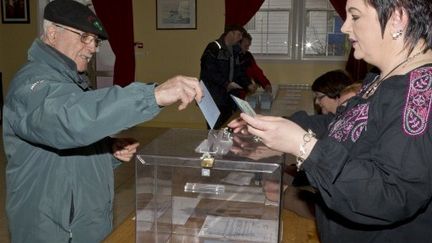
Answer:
(277, 133)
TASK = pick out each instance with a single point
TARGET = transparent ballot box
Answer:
(200, 186)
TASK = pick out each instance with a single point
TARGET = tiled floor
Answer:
(124, 181)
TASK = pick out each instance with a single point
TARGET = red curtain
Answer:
(239, 12)
(118, 22)
(357, 68)
(339, 6)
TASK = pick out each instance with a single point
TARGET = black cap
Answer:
(76, 15)
(234, 27)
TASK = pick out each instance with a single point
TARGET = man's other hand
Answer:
(124, 148)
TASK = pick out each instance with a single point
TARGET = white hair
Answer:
(46, 24)
(85, 2)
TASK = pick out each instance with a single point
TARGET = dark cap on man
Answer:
(76, 15)
(234, 27)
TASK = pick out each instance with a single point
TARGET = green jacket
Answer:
(59, 172)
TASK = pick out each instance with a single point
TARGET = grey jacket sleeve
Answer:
(62, 116)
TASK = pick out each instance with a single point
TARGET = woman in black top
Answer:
(373, 166)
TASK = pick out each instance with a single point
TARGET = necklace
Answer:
(377, 81)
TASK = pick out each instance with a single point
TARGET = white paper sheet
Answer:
(183, 207)
(244, 106)
(245, 229)
(239, 178)
(208, 107)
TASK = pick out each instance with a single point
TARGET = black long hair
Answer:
(332, 83)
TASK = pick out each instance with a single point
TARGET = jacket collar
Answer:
(43, 53)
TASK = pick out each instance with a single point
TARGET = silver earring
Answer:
(397, 34)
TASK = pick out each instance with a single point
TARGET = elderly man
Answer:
(60, 159)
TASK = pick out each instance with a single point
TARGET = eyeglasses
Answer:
(320, 97)
(86, 38)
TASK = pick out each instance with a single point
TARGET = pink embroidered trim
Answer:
(418, 102)
(351, 125)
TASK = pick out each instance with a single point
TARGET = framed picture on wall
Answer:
(15, 11)
(176, 14)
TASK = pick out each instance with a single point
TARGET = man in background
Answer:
(218, 71)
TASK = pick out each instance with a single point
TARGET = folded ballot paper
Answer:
(244, 106)
(208, 107)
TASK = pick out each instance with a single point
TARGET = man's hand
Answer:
(178, 88)
(233, 85)
(124, 148)
(252, 88)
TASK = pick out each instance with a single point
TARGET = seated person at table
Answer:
(327, 89)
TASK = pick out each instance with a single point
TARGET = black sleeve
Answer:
(240, 76)
(384, 176)
(317, 123)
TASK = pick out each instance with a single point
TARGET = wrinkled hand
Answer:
(124, 148)
(278, 133)
(179, 88)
